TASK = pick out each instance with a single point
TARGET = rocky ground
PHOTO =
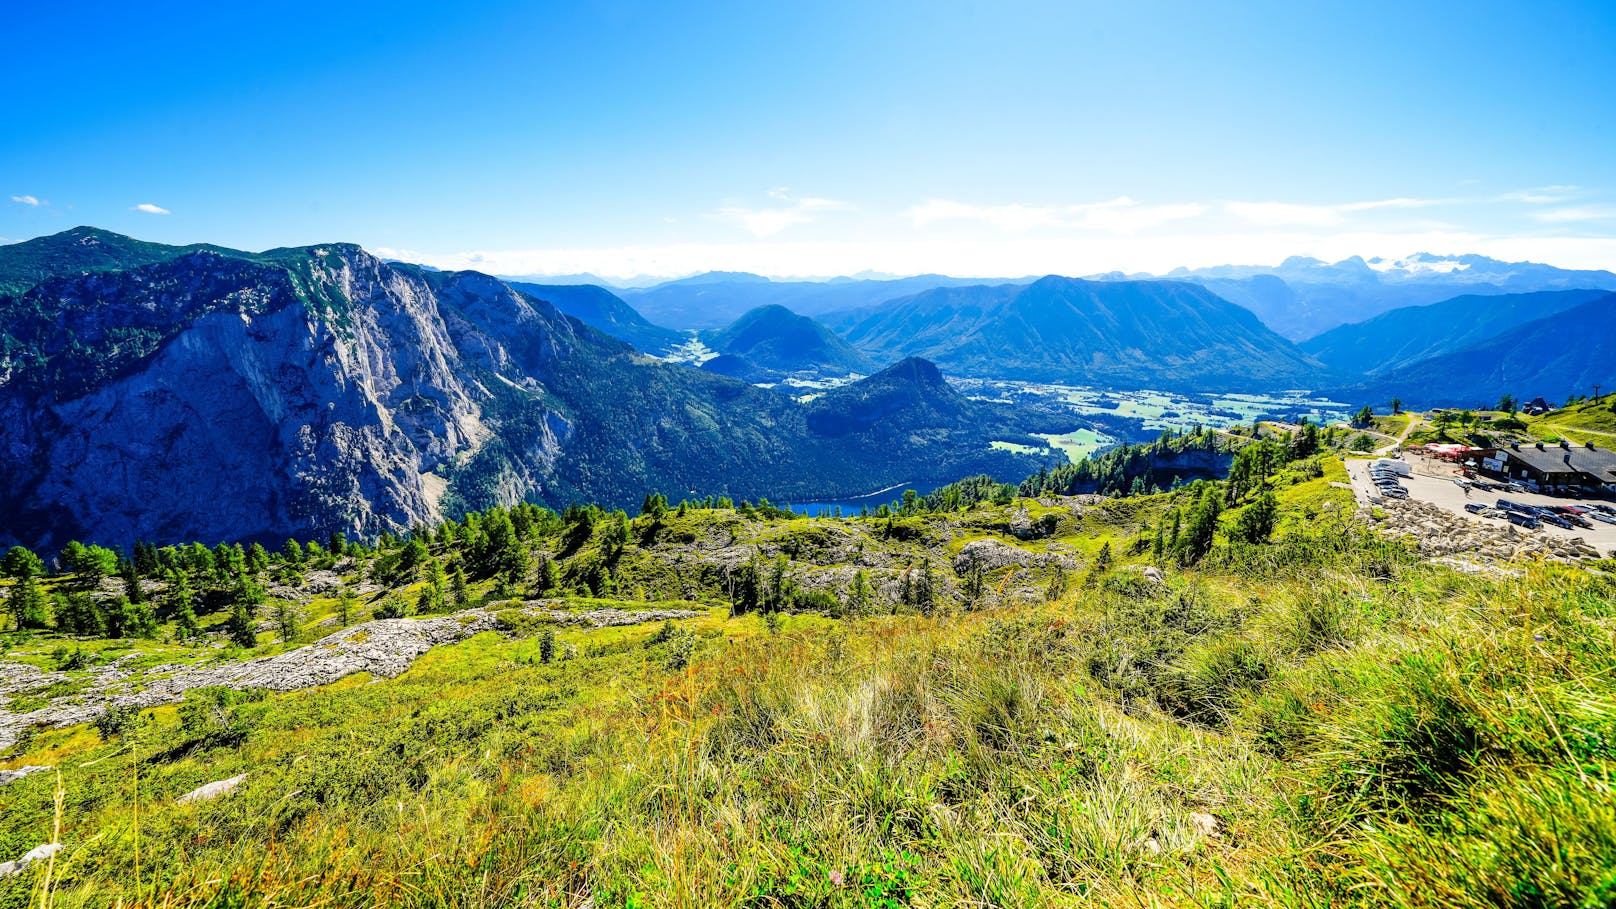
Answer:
(383, 648)
(1440, 534)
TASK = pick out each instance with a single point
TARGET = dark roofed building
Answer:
(1549, 464)
(1537, 407)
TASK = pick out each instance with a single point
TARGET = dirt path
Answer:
(1413, 422)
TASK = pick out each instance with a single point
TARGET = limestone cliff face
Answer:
(326, 404)
(209, 394)
(1193, 464)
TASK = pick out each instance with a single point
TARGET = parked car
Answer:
(1524, 520)
(1550, 517)
(1475, 507)
(1396, 492)
(1507, 505)
(1602, 516)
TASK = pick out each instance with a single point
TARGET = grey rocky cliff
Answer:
(218, 395)
(252, 422)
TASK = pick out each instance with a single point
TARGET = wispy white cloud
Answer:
(1125, 216)
(150, 209)
(30, 201)
(1575, 214)
(1005, 217)
(1119, 215)
(1122, 233)
(1542, 195)
(766, 222)
(1284, 214)
(1012, 256)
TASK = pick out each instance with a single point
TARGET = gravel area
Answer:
(1433, 484)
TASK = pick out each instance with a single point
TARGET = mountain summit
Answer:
(212, 394)
(1134, 334)
(777, 339)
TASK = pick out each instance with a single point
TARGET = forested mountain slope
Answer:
(1129, 334)
(319, 389)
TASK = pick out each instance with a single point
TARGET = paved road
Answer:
(1433, 482)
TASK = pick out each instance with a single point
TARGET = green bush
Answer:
(220, 716)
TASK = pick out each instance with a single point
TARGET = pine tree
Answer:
(257, 558)
(457, 584)
(245, 600)
(79, 614)
(21, 563)
(182, 608)
(925, 590)
(287, 620)
(131, 582)
(1256, 523)
(859, 594)
(27, 604)
(972, 582)
(1196, 541)
(1056, 586)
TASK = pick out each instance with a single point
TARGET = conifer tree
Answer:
(1196, 541)
(131, 582)
(457, 585)
(20, 563)
(181, 606)
(27, 604)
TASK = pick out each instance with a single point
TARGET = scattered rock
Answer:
(36, 854)
(992, 555)
(613, 618)
(1440, 534)
(1152, 573)
(11, 776)
(383, 647)
(212, 790)
(1205, 824)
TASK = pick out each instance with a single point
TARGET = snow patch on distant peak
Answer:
(1419, 264)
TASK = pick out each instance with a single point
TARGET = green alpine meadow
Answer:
(1226, 694)
(911, 455)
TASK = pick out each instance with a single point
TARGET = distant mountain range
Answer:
(1303, 297)
(1405, 336)
(1564, 352)
(776, 340)
(715, 299)
(604, 311)
(202, 393)
(1130, 334)
(319, 388)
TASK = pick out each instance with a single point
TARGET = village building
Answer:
(1553, 465)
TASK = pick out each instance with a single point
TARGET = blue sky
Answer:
(971, 138)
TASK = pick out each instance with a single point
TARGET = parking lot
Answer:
(1433, 483)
